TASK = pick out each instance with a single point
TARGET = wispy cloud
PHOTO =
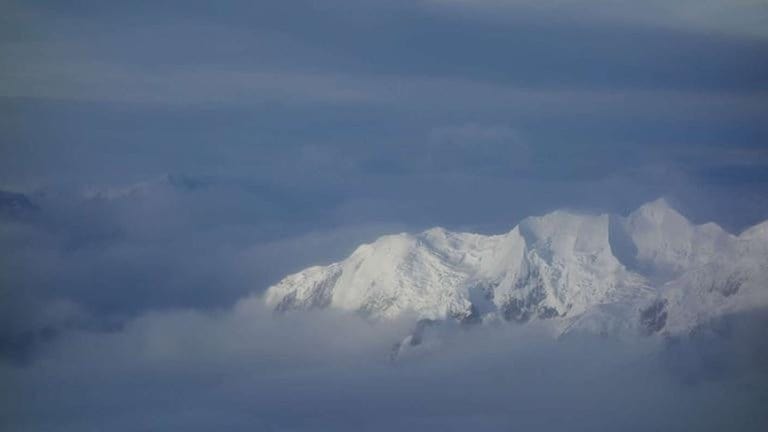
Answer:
(745, 18)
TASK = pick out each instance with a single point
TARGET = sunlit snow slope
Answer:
(650, 272)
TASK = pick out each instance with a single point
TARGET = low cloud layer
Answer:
(249, 369)
(98, 257)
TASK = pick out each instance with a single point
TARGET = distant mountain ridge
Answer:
(652, 272)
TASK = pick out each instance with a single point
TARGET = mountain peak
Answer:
(658, 210)
(561, 268)
(756, 231)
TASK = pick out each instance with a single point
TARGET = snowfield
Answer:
(652, 272)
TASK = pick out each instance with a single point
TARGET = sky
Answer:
(161, 163)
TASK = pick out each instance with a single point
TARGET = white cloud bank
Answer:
(247, 369)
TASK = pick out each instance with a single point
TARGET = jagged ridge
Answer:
(651, 272)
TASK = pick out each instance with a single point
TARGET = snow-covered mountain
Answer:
(651, 272)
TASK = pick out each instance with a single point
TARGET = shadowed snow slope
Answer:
(650, 272)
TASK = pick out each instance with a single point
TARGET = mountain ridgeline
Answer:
(652, 272)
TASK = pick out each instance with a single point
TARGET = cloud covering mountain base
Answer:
(250, 370)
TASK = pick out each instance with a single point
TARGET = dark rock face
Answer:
(418, 333)
(730, 286)
(516, 310)
(653, 318)
(546, 312)
(468, 317)
(413, 340)
(286, 303)
(319, 298)
(522, 309)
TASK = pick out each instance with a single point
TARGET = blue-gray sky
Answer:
(162, 155)
(428, 112)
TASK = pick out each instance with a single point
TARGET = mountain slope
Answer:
(652, 271)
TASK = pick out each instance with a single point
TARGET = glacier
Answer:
(652, 272)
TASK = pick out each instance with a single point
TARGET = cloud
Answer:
(487, 148)
(113, 83)
(309, 129)
(372, 54)
(97, 258)
(247, 368)
(243, 85)
(745, 18)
